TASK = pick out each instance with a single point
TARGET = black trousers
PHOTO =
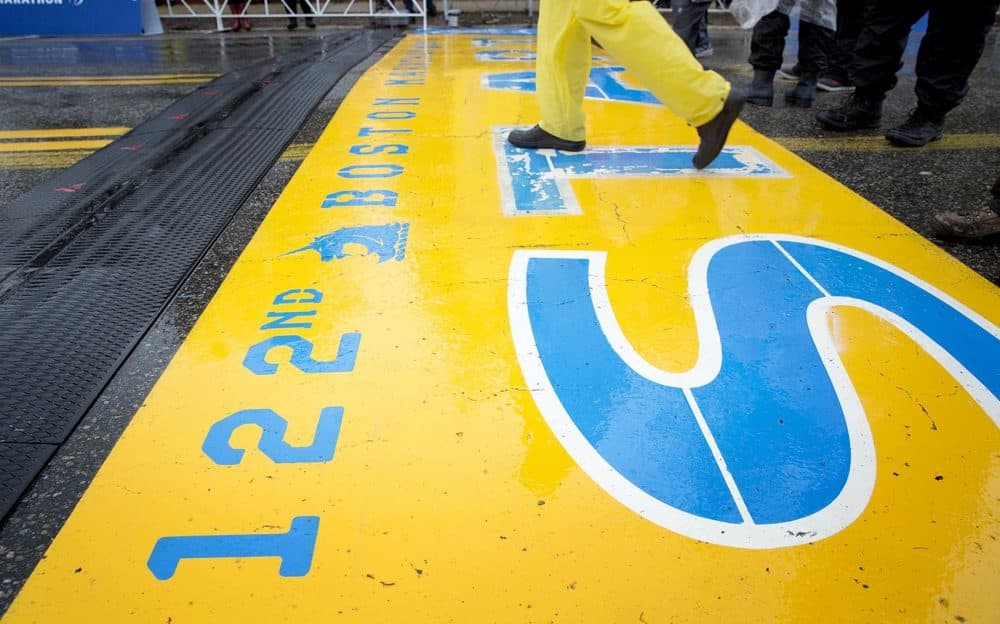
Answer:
(767, 44)
(430, 7)
(290, 7)
(850, 21)
(956, 35)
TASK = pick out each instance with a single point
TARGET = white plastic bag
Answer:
(748, 12)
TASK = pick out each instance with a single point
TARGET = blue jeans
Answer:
(691, 22)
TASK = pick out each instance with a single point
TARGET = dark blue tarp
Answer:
(70, 17)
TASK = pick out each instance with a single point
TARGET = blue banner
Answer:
(70, 17)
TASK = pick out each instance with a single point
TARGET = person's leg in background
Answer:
(307, 10)
(429, 6)
(877, 57)
(948, 53)
(703, 46)
(689, 21)
(636, 35)
(245, 19)
(289, 5)
(236, 8)
(767, 49)
(850, 20)
(794, 72)
(975, 225)
(817, 21)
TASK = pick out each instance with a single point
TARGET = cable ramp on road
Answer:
(89, 258)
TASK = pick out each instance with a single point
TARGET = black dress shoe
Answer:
(919, 130)
(714, 133)
(536, 138)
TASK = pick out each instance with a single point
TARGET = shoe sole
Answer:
(902, 141)
(829, 89)
(564, 147)
(760, 101)
(798, 102)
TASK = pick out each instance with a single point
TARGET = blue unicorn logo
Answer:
(388, 242)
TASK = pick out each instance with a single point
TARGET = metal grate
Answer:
(87, 287)
(19, 463)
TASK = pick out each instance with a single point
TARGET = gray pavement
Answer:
(909, 184)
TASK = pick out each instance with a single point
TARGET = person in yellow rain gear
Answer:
(640, 39)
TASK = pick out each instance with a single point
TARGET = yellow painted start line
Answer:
(453, 381)
(104, 81)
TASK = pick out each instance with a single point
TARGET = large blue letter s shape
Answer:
(764, 443)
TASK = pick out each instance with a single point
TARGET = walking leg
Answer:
(636, 35)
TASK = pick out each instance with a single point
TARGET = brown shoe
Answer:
(976, 225)
(714, 133)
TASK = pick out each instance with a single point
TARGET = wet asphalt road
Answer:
(909, 184)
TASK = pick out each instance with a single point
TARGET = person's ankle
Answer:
(932, 114)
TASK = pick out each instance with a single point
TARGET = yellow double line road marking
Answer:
(49, 146)
(64, 147)
(104, 81)
(50, 160)
(879, 144)
(6, 135)
(52, 148)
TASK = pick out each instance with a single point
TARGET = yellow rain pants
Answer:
(639, 38)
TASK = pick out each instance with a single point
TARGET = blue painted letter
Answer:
(763, 443)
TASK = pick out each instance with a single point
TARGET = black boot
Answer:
(536, 138)
(713, 134)
(921, 128)
(761, 90)
(860, 111)
(292, 23)
(802, 94)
